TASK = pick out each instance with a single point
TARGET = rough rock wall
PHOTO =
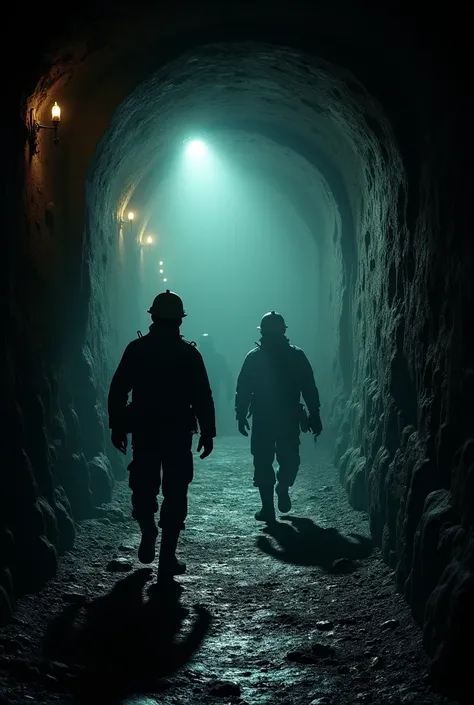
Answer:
(405, 451)
(54, 469)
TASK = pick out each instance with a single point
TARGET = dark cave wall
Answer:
(405, 451)
(54, 468)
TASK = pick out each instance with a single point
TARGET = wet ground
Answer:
(305, 613)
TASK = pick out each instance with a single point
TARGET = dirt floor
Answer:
(305, 613)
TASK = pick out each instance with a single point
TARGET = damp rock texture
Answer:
(262, 615)
(405, 447)
(362, 106)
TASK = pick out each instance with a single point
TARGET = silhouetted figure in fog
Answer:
(220, 376)
(273, 377)
(171, 395)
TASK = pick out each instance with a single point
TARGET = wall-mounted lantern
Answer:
(130, 218)
(34, 126)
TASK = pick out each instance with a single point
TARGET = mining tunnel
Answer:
(330, 179)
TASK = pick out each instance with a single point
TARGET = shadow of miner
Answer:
(303, 542)
(123, 644)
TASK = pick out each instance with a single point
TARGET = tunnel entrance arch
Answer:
(296, 129)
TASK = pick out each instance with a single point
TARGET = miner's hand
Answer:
(120, 441)
(315, 425)
(243, 426)
(206, 444)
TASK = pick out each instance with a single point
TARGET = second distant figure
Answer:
(273, 377)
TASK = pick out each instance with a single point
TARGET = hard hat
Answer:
(167, 305)
(272, 322)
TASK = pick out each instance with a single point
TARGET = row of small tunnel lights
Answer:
(35, 126)
(195, 149)
(148, 240)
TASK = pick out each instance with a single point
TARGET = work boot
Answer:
(178, 567)
(169, 565)
(146, 550)
(284, 501)
(267, 512)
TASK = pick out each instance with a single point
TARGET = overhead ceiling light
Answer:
(196, 149)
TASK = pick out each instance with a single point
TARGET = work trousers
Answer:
(161, 460)
(270, 437)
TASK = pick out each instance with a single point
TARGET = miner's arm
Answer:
(120, 387)
(310, 393)
(244, 391)
(202, 401)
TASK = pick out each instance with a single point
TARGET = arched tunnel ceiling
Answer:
(318, 113)
(254, 155)
(100, 51)
(308, 107)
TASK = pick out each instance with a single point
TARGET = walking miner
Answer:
(171, 398)
(273, 377)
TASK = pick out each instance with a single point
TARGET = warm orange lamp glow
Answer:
(56, 113)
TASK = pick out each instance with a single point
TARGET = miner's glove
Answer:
(315, 425)
(120, 441)
(206, 444)
(243, 426)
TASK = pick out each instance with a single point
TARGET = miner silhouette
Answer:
(273, 377)
(171, 399)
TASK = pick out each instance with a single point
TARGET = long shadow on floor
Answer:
(302, 542)
(123, 644)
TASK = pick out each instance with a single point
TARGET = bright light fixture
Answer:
(131, 216)
(196, 148)
(34, 126)
(149, 240)
(55, 113)
(165, 280)
(161, 271)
